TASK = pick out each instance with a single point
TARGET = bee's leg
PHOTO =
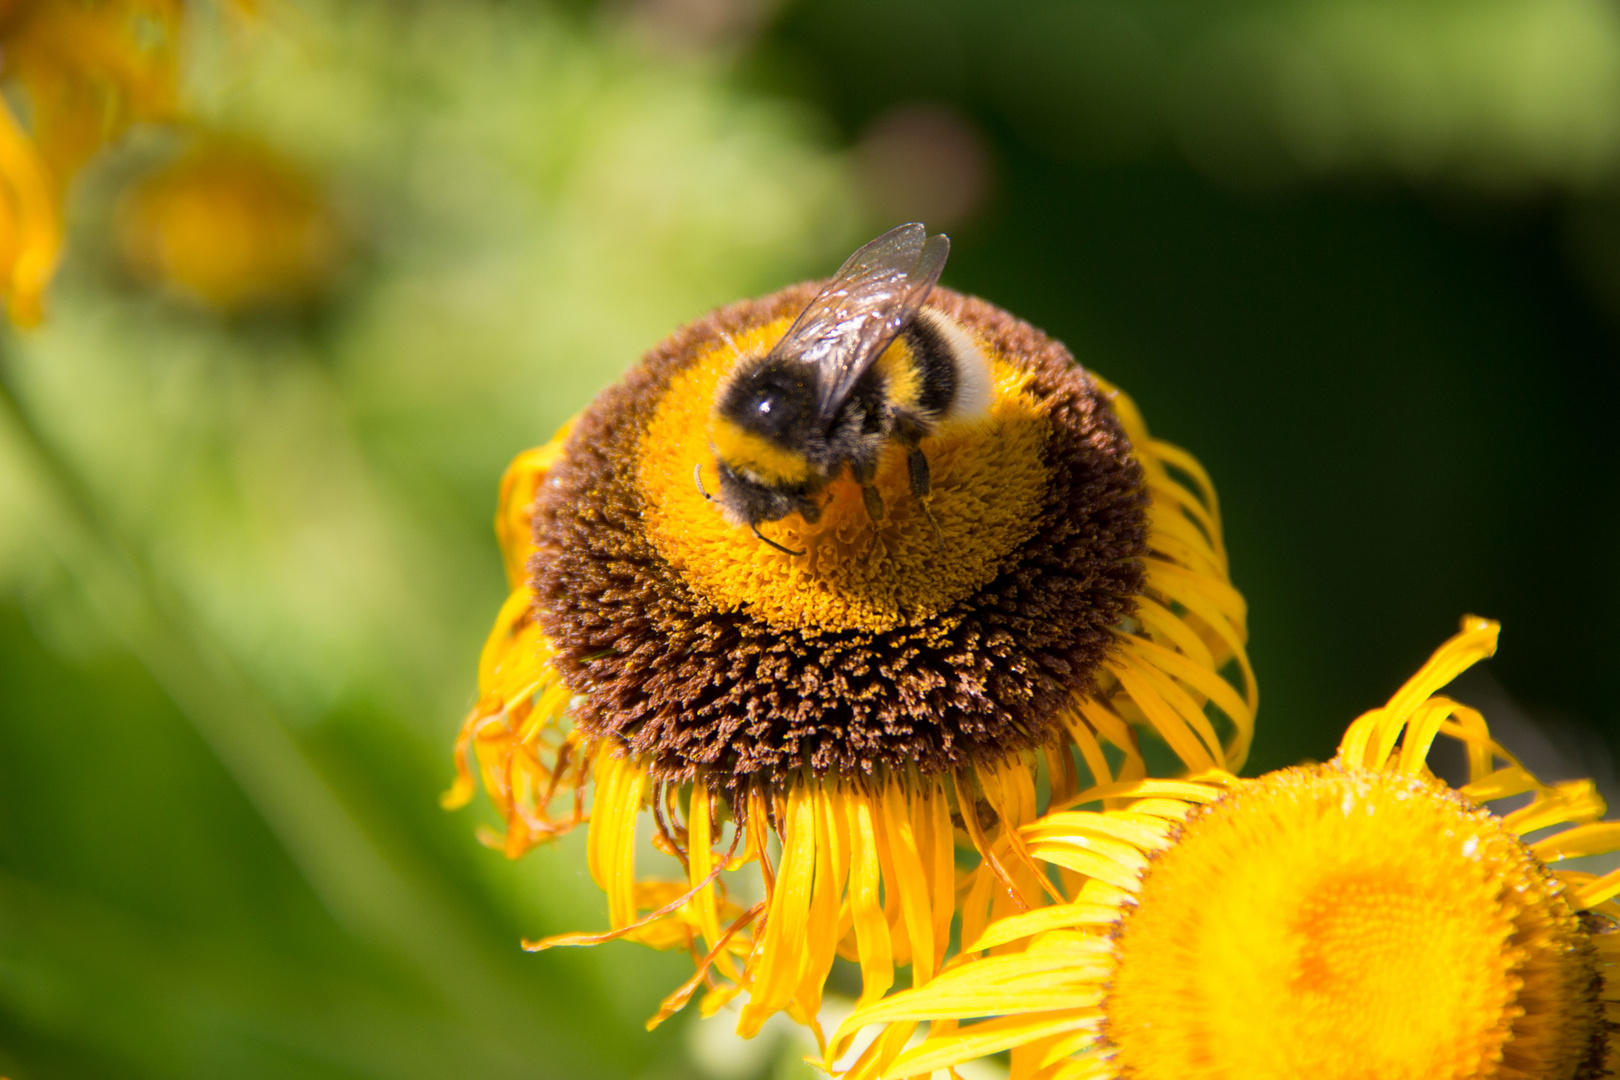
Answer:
(939, 541)
(917, 466)
(921, 488)
(909, 430)
(864, 474)
(874, 502)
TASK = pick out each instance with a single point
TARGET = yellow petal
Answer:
(1595, 839)
(1030, 923)
(989, 1037)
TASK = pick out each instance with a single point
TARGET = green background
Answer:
(1362, 259)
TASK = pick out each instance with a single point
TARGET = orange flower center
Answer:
(989, 480)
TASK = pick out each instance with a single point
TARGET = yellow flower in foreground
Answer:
(88, 68)
(233, 226)
(878, 708)
(1354, 919)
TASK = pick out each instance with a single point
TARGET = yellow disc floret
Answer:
(989, 479)
(1346, 923)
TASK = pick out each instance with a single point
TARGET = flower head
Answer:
(844, 710)
(1359, 918)
(234, 226)
(88, 70)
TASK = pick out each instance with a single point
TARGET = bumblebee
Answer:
(864, 364)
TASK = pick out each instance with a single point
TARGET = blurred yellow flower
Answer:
(867, 710)
(233, 226)
(1354, 919)
(87, 69)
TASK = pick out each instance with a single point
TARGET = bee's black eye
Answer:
(771, 397)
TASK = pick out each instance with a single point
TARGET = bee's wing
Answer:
(874, 295)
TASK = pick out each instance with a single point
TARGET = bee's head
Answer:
(764, 424)
(747, 502)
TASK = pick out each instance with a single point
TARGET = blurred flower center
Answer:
(232, 227)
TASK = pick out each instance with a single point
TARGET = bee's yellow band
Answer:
(899, 369)
(755, 455)
(769, 463)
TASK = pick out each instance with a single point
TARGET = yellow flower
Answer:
(848, 724)
(1354, 919)
(233, 226)
(88, 68)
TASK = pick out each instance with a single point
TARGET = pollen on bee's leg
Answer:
(939, 540)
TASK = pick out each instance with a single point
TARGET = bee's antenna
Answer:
(697, 478)
(773, 543)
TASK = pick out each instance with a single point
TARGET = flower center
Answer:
(988, 480)
(700, 648)
(1331, 923)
